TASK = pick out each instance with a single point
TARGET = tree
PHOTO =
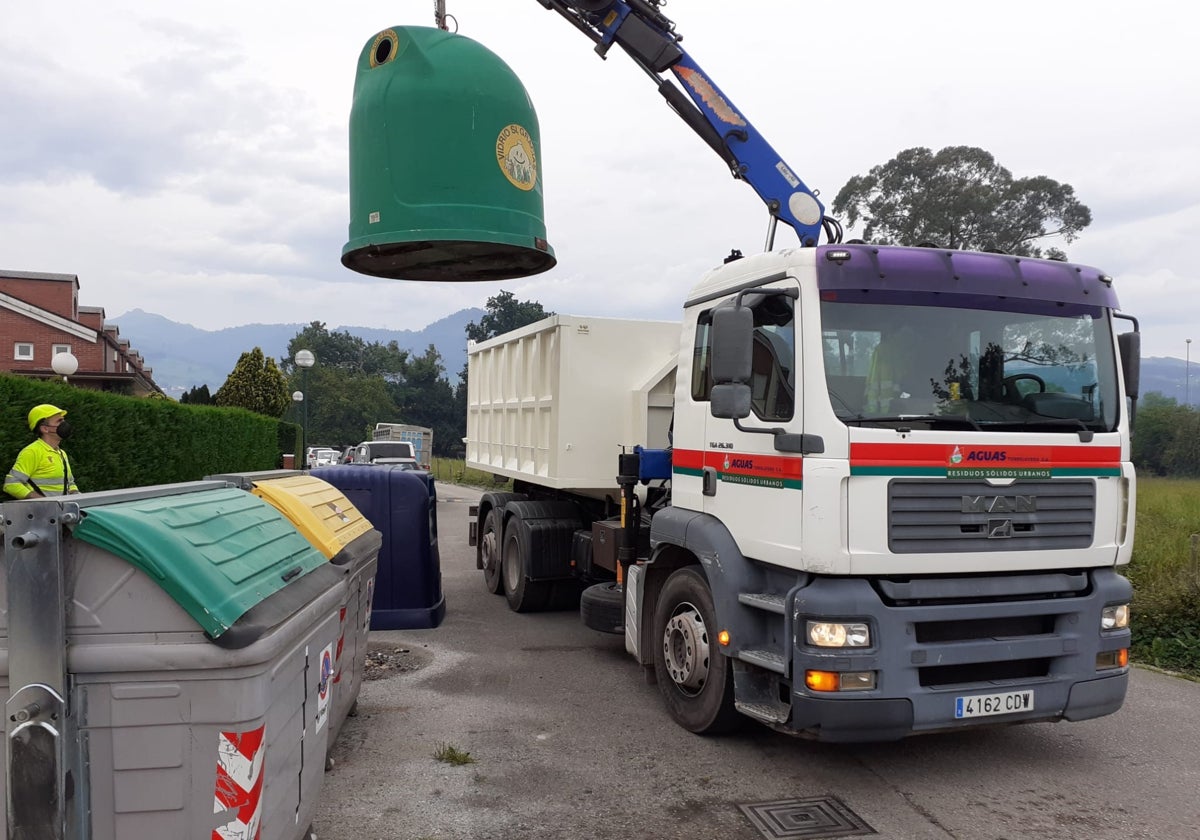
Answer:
(425, 398)
(255, 383)
(505, 313)
(198, 395)
(346, 352)
(348, 390)
(1166, 439)
(960, 198)
(343, 407)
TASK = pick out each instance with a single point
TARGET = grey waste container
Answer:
(337, 529)
(169, 666)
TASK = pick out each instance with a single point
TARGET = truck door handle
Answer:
(710, 481)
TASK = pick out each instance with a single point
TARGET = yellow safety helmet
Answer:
(42, 412)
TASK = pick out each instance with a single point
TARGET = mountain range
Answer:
(183, 357)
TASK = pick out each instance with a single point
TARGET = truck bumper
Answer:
(933, 656)
(892, 719)
(859, 720)
(1097, 698)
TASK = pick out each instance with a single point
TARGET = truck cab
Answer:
(920, 457)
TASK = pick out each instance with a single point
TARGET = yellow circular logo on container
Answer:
(514, 154)
(384, 47)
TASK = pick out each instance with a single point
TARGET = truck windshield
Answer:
(955, 360)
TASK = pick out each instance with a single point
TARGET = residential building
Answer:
(40, 316)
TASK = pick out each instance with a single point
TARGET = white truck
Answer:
(828, 531)
(859, 491)
(421, 438)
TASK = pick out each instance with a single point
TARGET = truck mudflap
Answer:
(1022, 654)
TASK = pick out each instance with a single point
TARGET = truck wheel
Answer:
(695, 678)
(489, 550)
(524, 595)
(602, 607)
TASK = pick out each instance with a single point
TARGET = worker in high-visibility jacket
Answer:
(42, 469)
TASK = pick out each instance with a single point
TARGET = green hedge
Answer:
(121, 441)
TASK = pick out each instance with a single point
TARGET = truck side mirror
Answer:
(730, 401)
(1130, 345)
(732, 344)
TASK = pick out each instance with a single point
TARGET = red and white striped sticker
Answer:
(341, 643)
(240, 757)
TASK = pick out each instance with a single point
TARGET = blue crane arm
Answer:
(649, 38)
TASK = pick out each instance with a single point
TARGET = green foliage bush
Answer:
(1165, 572)
(124, 441)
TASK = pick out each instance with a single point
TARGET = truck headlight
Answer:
(838, 634)
(1114, 617)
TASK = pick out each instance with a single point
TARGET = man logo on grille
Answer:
(999, 504)
(1000, 529)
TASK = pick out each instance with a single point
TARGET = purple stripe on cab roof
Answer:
(888, 268)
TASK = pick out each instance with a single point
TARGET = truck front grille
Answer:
(939, 516)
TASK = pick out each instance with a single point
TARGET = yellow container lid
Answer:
(317, 509)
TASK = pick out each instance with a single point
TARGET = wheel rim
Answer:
(685, 649)
(491, 552)
(511, 565)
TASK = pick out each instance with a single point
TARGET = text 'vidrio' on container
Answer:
(170, 661)
(337, 529)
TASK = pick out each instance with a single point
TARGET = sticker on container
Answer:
(341, 644)
(370, 600)
(238, 793)
(325, 688)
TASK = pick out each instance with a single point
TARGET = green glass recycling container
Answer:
(445, 163)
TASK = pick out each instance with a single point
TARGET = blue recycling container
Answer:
(402, 505)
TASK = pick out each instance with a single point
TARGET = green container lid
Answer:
(445, 163)
(216, 553)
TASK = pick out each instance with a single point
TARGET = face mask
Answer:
(64, 430)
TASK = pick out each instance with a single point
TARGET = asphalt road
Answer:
(569, 741)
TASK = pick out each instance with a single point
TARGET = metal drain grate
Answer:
(822, 817)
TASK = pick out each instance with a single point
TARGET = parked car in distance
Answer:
(347, 455)
(323, 458)
(370, 451)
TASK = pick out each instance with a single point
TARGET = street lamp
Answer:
(1187, 373)
(64, 364)
(297, 398)
(304, 360)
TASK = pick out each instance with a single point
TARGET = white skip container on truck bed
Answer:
(884, 490)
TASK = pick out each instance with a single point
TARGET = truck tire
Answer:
(491, 538)
(523, 594)
(694, 677)
(602, 607)
(490, 551)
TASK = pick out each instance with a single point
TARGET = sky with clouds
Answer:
(191, 158)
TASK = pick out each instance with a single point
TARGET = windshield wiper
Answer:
(957, 419)
(1085, 432)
